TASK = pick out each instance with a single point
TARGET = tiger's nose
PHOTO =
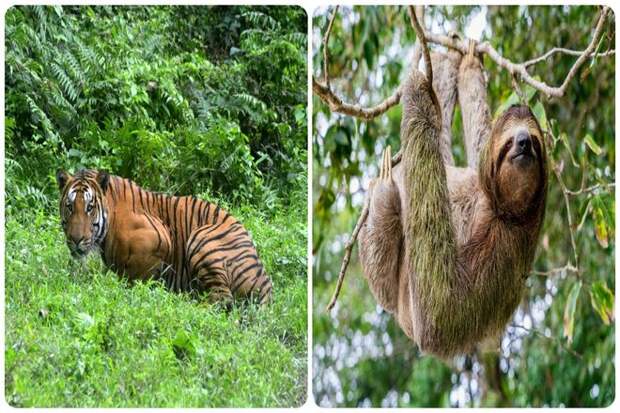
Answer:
(76, 241)
(524, 142)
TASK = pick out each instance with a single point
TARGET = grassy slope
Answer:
(76, 335)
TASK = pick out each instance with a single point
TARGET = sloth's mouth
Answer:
(522, 156)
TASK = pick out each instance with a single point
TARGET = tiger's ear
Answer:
(62, 177)
(103, 179)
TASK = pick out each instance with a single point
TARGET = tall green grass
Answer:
(77, 335)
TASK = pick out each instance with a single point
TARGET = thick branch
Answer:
(325, 92)
(421, 37)
(521, 68)
(336, 104)
(417, 47)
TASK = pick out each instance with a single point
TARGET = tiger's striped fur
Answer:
(191, 244)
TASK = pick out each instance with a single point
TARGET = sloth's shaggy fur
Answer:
(447, 250)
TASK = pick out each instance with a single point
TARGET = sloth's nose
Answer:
(523, 141)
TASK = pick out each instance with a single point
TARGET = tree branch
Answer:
(336, 104)
(567, 268)
(521, 68)
(326, 49)
(417, 47)
(566, 52)
(421, 37)
(591, 188)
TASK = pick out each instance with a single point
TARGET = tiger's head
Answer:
(83, 209)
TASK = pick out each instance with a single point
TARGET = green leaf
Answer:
(569, 311)
(369, 54)
(341, 137)
(539, 112)
(564, 140)
(600, 225)
(602, 299)
(592, 145)
(512, 100)
(183, 345)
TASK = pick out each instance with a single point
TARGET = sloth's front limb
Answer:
(380, 239)
(445, 75)
(472, 94)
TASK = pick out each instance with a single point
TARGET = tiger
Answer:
(189, 244)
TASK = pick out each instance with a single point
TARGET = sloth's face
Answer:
(518, 162)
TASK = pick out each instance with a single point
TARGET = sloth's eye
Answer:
(508, 143)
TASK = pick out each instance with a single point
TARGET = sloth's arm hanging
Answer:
(437, 277)
(445, 75)
(472, 92)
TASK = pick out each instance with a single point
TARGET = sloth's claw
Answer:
(471, 47)
(385, 172)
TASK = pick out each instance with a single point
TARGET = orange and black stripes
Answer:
(203, 247)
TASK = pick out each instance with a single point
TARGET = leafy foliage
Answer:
(164, 110)
(559, 349)
(78, 336)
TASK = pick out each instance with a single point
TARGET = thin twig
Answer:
(420, 35)
(326, 49)
(553, 339)
(558, 175)
(568, 52)
(351, 242)
(567, 268)
(591, 188)
(347, 255)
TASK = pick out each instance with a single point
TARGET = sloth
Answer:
(447, 249)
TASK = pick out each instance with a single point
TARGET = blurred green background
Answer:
(209, 101)
(559, 349)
